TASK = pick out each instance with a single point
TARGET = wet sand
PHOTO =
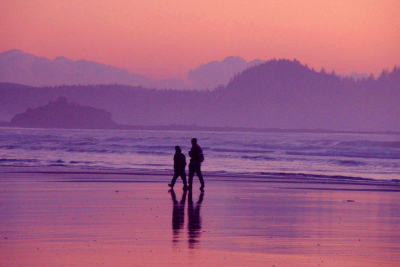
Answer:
(114, 219)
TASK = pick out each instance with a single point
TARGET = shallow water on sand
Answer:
(45, 222)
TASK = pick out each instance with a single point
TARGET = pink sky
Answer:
(163, 39)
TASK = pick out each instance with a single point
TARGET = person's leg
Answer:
(191, 174)
(183, 176)
(173, 180)
(200, 175)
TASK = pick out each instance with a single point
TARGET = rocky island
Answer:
(61, 114)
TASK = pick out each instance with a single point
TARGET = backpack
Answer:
(201, 157)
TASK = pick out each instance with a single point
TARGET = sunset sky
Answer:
(164, 39)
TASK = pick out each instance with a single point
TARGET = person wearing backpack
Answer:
(196, 158)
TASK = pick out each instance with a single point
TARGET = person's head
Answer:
(194, 141)
(178, 149)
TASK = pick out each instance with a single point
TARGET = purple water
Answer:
(371, 156)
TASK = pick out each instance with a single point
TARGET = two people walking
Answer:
(196, 158)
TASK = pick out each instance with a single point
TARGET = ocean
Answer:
(317, 155)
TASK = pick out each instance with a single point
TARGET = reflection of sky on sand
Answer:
(314, 222)
(121, 224)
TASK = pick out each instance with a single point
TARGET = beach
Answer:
(64, 217)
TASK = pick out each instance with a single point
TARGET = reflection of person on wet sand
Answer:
(194, 224)
(178, 215)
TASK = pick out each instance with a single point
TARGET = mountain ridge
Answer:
(17, 66)
(276, 94)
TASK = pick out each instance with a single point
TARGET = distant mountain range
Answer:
(23, 68)
(275, 94)
(217, 73)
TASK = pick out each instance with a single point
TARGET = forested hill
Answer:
(285, 93)
(276, 94)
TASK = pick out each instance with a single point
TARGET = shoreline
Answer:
(321, 182)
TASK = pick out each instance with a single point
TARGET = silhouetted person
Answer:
(194, 223)
(196, 158)
(179, 168)
(178, 215)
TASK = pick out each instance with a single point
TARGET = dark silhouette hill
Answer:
(285, 93)
(276, 94)
(61, 114)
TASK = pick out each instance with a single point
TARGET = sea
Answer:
(243, 154)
